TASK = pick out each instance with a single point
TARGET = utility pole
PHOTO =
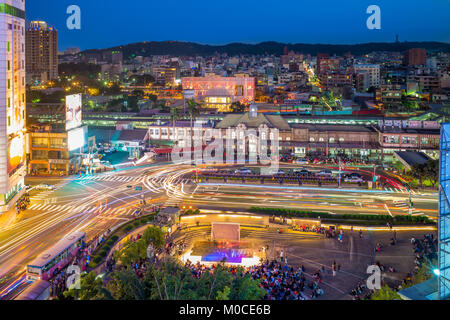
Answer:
(340, 170)
(410, 202)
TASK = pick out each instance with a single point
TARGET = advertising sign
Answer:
(16, 152)
(73, 111)
(76, 139)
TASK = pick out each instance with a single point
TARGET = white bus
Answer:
(49, 263)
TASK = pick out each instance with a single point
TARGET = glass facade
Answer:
(444, 214)
(16, 12)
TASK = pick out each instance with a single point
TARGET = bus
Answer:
(39, 290)
(49, 263)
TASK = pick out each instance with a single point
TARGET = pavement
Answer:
(99, 202)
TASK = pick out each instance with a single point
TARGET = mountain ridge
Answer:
(182, 48)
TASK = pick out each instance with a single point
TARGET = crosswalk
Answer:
(396, 190)
(116, 178)
(101, 210)
(403, 205)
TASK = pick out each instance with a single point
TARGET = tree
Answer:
(418, 172)
(137, 250)
(431, 171)
(238, 107)
(91, 288)
(385, 293)
(125, 285)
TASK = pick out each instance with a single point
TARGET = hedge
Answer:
(102, 250)
(325, 216)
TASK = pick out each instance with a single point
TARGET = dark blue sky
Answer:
(106, 23)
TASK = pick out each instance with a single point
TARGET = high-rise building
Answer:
(12, 102)
(325, 63)
(415, 56)
(41, 52)
(373, 74)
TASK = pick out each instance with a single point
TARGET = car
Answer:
(243, 171)
(279, 172)
(353, 179)
(355, 174)
(302, 172)
(325, 173)
(45, 186)
(301, 161)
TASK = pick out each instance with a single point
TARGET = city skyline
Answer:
(411, 21)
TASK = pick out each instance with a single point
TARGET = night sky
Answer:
(107, 23)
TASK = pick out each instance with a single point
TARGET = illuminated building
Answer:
(41, 52)
(415, 56)
(165, 75)
(57, 139)
(373, 74)
(444, 215)
(220, 92)
(335, 79)
(12, 102)
(325, 63)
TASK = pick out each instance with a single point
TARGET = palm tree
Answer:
(174, 115)
(193, 111)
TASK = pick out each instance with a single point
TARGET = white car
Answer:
(325, 173)
(353, 179)
(301, 161)
(243, 171)
(45, 186)
(278, 172)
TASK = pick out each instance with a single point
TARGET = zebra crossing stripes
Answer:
(396, 190)
(101, 210)
(113, 178)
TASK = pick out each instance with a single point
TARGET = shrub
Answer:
(103, 253)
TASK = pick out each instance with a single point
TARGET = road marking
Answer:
(389, 211)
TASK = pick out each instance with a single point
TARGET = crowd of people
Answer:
(425, 251)
(280, 280)
(23, 203)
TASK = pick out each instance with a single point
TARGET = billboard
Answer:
(76, 139)
(73, 111)
(225, 231)
(16, 152)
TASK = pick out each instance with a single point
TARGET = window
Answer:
(331, 140)
(321, 140)
(311, 139)
(263, 135)
(341, 139)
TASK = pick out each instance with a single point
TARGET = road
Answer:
(96, 203)
(92, 204)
